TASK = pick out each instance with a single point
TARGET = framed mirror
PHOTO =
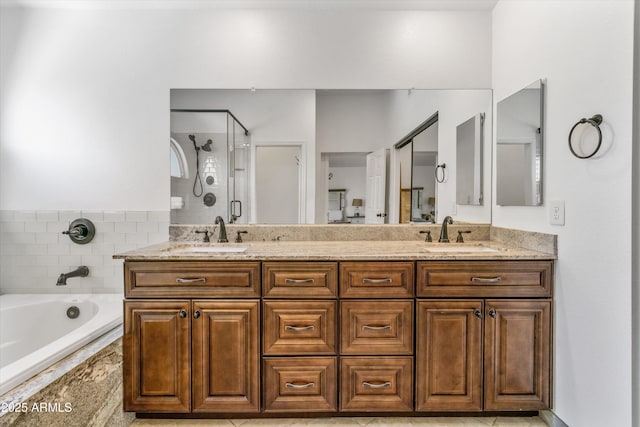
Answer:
(519, 147)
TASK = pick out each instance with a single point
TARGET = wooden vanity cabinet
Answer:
(484, 354)
(337, 336)
(299, 337)
(191, 355)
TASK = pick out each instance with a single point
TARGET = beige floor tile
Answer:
(519, 422)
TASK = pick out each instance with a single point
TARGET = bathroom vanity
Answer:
(337, 327)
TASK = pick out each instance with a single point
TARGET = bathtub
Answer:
(36, 332)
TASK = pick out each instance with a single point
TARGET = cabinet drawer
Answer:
(299, 327)
(300, 279)
(376, 279)
(484, 279)
(376, 327)
(195, 279)
(376, 384)
(300, 384)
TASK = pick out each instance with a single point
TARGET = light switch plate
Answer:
(556, 212)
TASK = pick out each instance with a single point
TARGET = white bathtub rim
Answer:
(14, 373)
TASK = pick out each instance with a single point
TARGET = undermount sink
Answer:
(213, 249)
(461, 249)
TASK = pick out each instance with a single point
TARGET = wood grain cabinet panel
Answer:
(300, 384)
(449, 356)
(376, 327)
(192, 279)
(376, 279)
(300, 279)
(226, 356)
(375, 384)
(157, 356)
(299, 327)
(484, 279)
(517, 352)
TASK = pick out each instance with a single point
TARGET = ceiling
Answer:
(455, 5)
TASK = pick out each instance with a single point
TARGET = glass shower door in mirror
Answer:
(209, 155)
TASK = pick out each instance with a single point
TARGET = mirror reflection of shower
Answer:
(198, 180)
(215, 146)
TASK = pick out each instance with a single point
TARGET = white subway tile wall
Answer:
(33, 250)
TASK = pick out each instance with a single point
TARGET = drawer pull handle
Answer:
(486, 279)
(376, 328)
(385, 384)
(385, 280)
(299, 328)
(183, 314)
(197, 280)
(299, 281)
(299, 386)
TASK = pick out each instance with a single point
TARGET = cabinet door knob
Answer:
(183, 314)
(196, 314)
(492, 313)
(478, 314)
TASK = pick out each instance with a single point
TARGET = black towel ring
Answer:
(442, 166)
(594, 121)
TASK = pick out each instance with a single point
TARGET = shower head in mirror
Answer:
(207, 146)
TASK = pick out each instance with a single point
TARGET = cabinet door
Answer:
(225, 367)
(517, 354)
(157, 356)
(449, 356)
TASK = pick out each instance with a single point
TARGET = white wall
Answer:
(584, 50)
(87, 89)
(354, 180)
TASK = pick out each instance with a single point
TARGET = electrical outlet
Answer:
(556, 212)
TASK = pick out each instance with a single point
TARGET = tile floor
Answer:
(353, 422)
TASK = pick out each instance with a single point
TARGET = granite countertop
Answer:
(333, 250)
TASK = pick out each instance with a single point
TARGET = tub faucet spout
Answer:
(82, 271)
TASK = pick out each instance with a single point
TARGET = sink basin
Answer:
(213, 249)
(461, 249)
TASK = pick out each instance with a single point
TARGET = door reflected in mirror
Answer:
(519, 147)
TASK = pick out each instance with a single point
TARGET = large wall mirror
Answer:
(278, 156)
(519, 147)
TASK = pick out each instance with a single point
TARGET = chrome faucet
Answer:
(444, 234)
(81, 271)
(222, 237)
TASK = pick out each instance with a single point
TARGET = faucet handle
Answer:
(206, 235)
(459, 239)
(239, 235)
(427, 238)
